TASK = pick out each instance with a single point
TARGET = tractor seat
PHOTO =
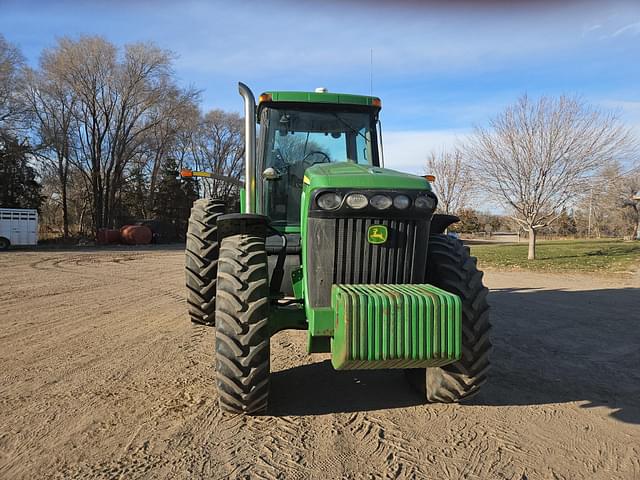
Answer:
(274, 244)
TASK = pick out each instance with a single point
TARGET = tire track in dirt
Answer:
(257, 447)
(383, 441)
(79, 266)
(104, 377)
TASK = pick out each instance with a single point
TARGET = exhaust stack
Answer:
(249, 146)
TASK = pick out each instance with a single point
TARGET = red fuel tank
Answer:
(108, 235)
(136, 234)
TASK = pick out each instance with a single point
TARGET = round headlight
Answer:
(357, 201)
(401, 202)
(381, 202)
(425, 201)
(329, 201)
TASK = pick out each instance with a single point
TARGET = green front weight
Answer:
(395, 326)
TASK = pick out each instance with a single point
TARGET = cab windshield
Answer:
(295, 139)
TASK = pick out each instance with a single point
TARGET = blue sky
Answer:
(439, 70)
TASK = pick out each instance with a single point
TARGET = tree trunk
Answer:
(63, 174)
(98, 206)
(532, 243)
(636, 227)
(65, 212)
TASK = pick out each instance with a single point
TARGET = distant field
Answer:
(608, 256)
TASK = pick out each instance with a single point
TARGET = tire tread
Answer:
(242, 332)
(201, 259)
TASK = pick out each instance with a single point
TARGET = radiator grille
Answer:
(339, 253)
(358, 261)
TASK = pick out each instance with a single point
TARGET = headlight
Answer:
(401, 202)
(425, 201)
(329, 201)
(357, 201)
(380, 202)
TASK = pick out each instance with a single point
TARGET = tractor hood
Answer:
(352, 175)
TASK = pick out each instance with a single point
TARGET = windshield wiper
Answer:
(353, 130)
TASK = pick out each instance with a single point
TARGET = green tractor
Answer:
(330, 242)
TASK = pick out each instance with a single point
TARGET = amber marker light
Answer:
(185, 172)
(376, 102)
(265, 97)
(430, 178)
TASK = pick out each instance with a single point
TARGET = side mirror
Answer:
(271, 174)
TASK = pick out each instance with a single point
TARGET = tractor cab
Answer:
(299, 130)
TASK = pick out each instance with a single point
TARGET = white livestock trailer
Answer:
(18, 226)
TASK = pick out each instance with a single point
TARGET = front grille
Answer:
(339, 253)
(358, 261)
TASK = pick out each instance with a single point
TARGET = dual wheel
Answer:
(228, 286)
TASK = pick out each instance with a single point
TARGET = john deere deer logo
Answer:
(377, 234)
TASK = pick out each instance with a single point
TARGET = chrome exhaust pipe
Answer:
(249, 147)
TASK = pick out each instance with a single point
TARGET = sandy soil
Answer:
(103, 376)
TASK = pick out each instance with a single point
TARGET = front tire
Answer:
(242, 333)
(4, 243)
(450, 267)
(201, 260)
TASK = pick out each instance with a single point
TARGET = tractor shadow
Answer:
(550, 346)
(559, 346)
(318, 389)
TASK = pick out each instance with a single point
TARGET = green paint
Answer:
(243, 207)
(353, 175)
(387, 326)
(283, 318)
(297, 278)
(328, 97)
(377, 234)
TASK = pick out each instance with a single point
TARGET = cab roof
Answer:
(317, 97)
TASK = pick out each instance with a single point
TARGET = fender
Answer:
(242, 223)
(440, 222)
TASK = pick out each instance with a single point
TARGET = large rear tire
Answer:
(242, 333)
(450, 267)
(201, 259)
(4, 243)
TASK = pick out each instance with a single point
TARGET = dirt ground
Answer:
(103, 376)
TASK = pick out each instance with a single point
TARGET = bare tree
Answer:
(454, 184)
(87, 66)
(537, 156)
(117, 103)
(619, 187)
(217, 145)
(172, 118)
(52, 105)
(12, 107)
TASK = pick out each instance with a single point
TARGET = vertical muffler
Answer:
(249, 147)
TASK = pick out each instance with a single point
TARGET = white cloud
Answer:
(407, 151)
(631, 29)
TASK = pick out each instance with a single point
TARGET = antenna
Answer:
(371, 73)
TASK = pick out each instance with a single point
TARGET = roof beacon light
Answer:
(321, 90)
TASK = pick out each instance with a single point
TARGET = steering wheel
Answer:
(316, 152)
